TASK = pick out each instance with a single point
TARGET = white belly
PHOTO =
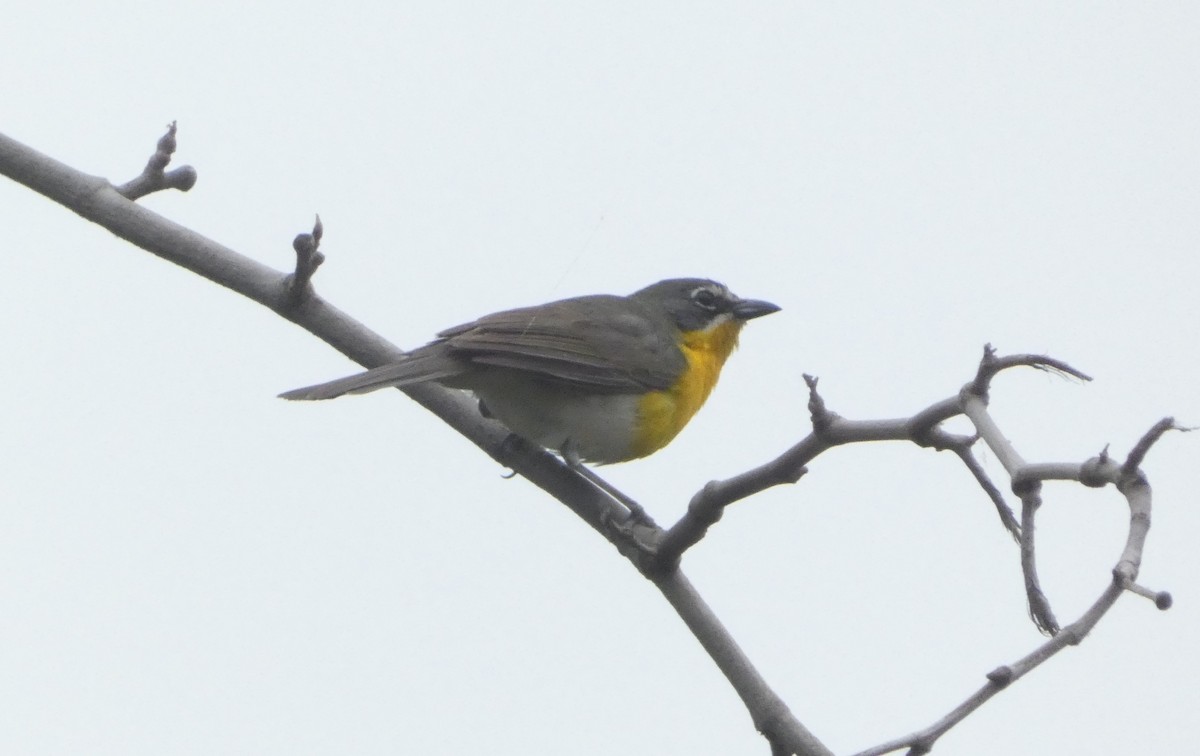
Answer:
(600, 427)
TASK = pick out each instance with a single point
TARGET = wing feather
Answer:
(425, 364)
(599, 342)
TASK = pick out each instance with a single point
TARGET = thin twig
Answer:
(154, 177)
(1007, 518)
(1140, 449)
(990, 365)
(1036, 601)
(308, 259)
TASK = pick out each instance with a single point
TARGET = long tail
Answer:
(416, 369)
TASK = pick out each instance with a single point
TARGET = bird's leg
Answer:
(637, 515)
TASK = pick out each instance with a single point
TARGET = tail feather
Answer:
(406, 373)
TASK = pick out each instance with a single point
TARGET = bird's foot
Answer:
(637, 514)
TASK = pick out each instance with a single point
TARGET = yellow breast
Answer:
(662, 414)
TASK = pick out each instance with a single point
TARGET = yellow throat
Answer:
(662, 414)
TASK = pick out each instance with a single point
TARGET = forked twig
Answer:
(308, 259)
(154, 177)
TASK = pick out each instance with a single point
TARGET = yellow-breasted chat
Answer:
(597, 378)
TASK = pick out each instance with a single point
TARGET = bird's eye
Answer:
(705, 298)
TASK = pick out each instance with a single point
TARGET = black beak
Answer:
(747, 309)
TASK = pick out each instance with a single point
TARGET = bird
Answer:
(599, 378)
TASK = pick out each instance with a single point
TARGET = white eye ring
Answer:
(705, 298)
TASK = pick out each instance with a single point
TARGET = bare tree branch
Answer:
(829, 430)
(974, 405)
(652, 551)
(771, 715)
(98, 201)
(1132, 484)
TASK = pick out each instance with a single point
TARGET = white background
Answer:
(191, 566)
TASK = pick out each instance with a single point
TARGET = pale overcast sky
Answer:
(190, 566)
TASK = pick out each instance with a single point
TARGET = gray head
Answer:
(700, 304)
